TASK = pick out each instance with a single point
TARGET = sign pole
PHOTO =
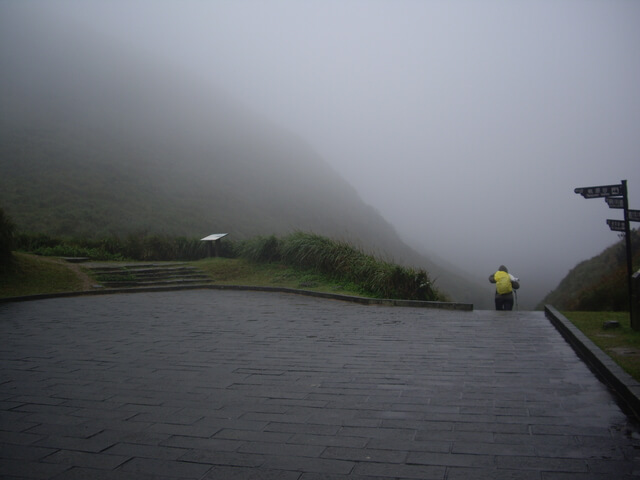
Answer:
(627, 237)
(616, 197)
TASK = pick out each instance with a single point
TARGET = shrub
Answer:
(70, 250)
(342, 262)
(29, 242)
(260, 249)
(139, 246)
(7, 232)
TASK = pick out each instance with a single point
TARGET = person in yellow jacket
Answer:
(505, 285)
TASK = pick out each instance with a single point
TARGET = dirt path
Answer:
(86, 280)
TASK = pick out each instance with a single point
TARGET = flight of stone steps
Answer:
(146, 275)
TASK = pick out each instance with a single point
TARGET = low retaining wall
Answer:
(333, 296)
(623, 385)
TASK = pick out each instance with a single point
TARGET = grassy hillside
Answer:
(597, 284)
(112, 200)
(124, 147)
(96, 185)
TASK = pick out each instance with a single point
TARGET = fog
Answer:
(466, 124)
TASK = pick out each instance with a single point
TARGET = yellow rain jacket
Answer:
(503, 282)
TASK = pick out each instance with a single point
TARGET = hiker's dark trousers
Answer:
(504, 302)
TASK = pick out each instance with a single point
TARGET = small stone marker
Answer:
(610, 325)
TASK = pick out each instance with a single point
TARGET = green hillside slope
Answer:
(597, 284)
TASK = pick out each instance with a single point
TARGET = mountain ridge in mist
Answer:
(97, 143)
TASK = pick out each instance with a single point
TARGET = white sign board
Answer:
(214, 237)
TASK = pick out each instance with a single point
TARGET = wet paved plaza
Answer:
(208, 384)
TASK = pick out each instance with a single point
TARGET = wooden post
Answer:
(627, 238)
(635, 301)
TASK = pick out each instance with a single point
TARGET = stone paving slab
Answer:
(210, 384)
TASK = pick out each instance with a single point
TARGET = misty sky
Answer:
(466, 124)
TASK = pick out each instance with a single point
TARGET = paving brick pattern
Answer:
(248, 385)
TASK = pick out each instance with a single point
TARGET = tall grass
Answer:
(161, 247)
(342, 262)
(140, 246)
(260, 249)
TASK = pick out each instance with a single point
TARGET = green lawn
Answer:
(621, 344)
(32, 275)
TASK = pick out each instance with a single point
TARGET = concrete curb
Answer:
(331, 296)
(622, 384)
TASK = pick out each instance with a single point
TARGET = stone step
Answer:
(150, 273)
(145, 275)
(159, 278)
(141, 269)
(120, 265)
(155, 283)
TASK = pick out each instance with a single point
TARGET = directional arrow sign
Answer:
(600, 191)
(616, 225)
(615, 202)
(634, 215)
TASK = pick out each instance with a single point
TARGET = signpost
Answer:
(214, 243)
(616, 197)
(615, 202)
(601, 191)
(616, 225)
